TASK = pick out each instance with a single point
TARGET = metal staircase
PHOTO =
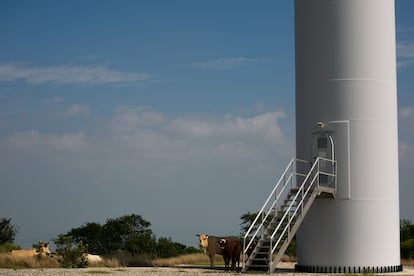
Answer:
(281, 215)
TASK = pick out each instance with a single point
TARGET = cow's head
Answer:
(203, 239)
(43, 248)
(222, 243)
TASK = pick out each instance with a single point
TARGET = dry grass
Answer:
(407, 262)
(287, 258)
(191, 259)
(109, 262)
(9, 261)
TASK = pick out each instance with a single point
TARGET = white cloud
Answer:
(76, 110)
(405, 54)
(143, 132)
(54, 100)
(405, 49)
(406, 133)
(69, 74)
(404, 29)
(405, 151)
(131, 119)
(261, 127)
(223, 63)
(406, 112)
(138, 131)
(406, 122)
(145, 160)
(33, 140)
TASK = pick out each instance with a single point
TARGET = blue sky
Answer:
(179, 111)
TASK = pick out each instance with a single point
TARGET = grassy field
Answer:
(191, 259)
(8, 261)
(406, 262)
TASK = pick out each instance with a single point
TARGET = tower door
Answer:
(323, 147)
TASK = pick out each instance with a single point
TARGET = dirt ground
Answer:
(285, 269)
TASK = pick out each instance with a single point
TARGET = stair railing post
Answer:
(270, 255)
(262, 228)
(288, 225)
(319, 175)
(336, 175)
(292, 172)
(243, 255)
(302, 202)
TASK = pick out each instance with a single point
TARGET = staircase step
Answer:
(262, 254)
(258, 263)
(264, 259)
(258, 267)
(292, 209)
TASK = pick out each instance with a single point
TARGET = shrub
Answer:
(406, 230)
(8, 231)
(73, 255)
(407, 249)
(8, 246)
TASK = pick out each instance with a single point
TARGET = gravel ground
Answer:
(285, 270)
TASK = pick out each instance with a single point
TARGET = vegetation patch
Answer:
(8, 261)
(189, 259)
(407, 262)
(129, 242)
(98, 272)
(407, 240)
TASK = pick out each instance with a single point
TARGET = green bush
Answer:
(8, 246)
(407, 249)
(406, 230)
(166, 248)
(73, 255)
(8, 231)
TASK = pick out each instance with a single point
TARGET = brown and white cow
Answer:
(231, 251)
(42, 249)
(211, 246)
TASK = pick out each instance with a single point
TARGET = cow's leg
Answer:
(227, 263)
(233, 263)
(211, 260)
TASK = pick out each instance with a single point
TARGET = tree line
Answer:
(127, 235)
(407, 239)
(131, 235)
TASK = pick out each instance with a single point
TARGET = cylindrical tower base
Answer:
(340, 269)
(346, 78)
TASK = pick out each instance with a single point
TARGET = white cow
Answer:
(93, 259)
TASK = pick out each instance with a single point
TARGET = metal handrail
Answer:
(291, 207)
(286, 178)
(269, 197)
(260, 213)
(315, 171)
(310, 183)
